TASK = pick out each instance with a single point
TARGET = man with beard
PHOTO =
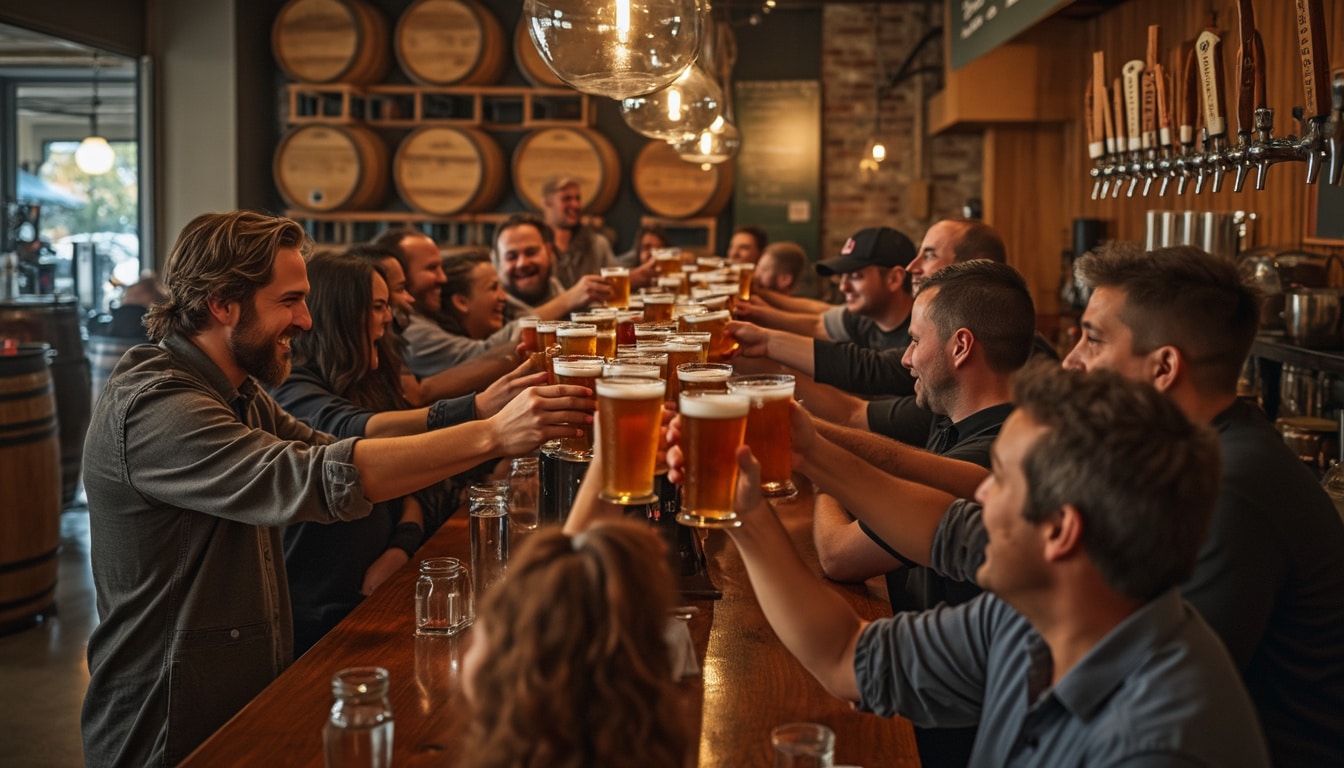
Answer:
(524, 255)
(970, 331)
(579, 249)
(192, 470)
(747, 244)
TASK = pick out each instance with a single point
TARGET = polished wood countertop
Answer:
(750, 683)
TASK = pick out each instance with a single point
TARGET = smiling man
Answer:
(579, 249)
(1083, 652)
(524, 257)
(192, 470)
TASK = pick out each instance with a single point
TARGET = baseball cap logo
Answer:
(849, 247)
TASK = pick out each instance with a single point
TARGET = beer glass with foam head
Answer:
(625, 326)
(712, 427)
(667, 260)
(527, 327)
(745, 274)
(619, 280)
(721, 345)
(580, 371)
(631, 410)
(658, 307)
(577, 339)
(704, 377)
(769, 428)
(546, 333)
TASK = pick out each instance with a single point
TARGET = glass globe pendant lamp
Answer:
(678, 112)
(716, 144)
(615, 48)
(94, 155)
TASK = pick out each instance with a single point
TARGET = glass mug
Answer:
(444, 601)
(712, 427)
(770, 428)
(803, 745)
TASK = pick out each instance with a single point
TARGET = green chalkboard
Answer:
(1327, 220)
(979, 26)
(778, 182)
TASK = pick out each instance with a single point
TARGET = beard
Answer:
(261, 356)
(536, 293)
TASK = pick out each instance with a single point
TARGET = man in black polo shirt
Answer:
(970, 331)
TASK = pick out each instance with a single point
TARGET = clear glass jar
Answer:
(489, 525)
(524, 493)
(358, 734)
(444, 599)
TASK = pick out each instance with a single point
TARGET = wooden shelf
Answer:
(1011, 84)
(495, 108)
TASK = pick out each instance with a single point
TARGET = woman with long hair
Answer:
(568, 664)
(345, 382)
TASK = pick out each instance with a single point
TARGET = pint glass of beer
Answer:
(528, 328)
(712, 427)
(667, 260)
(658, 306)
(745, 274)
(619, 280)
(625, 326)
(631, 410)
(546, 334)
(704, 377)
(769, 429)
(721, 345)
(580, 371)
(577, 339)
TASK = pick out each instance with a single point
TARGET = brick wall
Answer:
(853, 199)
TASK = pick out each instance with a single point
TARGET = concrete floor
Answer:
(43, 669)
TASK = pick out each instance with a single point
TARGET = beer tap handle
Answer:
(1246, 70)
(1209, 50)
(1121, 141)
(1315, 81)
(1337, 139)
(1132, 74)
(1095, 149)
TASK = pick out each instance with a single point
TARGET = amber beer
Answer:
(528, 328)
(769, 428)
(658, 307)
(745, 274)
(712, 428)
(625, 326)
(619, 280)
(546, 334)
(667, 260)
(631, 411)
(678, 354)
(704, 377)
(577, 339)
(580, 371)
(721, 345)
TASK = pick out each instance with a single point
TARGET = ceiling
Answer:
(53, 79)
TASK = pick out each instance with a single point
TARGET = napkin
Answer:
(677, 634)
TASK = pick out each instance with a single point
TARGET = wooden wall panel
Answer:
(1018, 155)
(1281, 209)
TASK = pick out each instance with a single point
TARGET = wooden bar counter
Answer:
(749, 684)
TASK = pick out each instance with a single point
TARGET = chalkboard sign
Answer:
(980, 26)
(778, 184)
(1326, 223)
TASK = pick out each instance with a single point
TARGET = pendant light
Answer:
(94, 155)
(721, 141)
(877, 149)
(615, 48)
(678, 112)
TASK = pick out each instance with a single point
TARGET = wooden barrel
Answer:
(675, 189)
(331, 167)
(329, 41)
(579, 153)
(30, 487)
(443, 170)
(104, 354)
(529, 60)
(450, 42)
(56, 321)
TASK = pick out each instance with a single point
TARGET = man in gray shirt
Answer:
(192, 470)
(1082, 652)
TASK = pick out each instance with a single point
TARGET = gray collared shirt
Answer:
(1158, 690)
(189, 481)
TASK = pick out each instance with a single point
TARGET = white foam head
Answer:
(709, 317)
(714, 405)
(576, 330)
(631, 388)
(763, 387)
(578, 369)
(709, 372)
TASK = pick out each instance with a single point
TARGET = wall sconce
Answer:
(94, 155)
(615, 48)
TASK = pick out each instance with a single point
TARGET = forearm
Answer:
(812, 621)
(831, 405)
(392, 467)
(846, 552)
(903, 514)
(397, 423)
(807, 325)
(799, 304)
(952, 476)
(472, 375)
(790, 349)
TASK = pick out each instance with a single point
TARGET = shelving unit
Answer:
(491, 108)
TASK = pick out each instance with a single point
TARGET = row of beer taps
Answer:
(1130, 133)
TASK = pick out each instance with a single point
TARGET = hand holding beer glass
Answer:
(712, 427)
(619, 280)
(580, 371)
(631, 410)
(769, 428)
